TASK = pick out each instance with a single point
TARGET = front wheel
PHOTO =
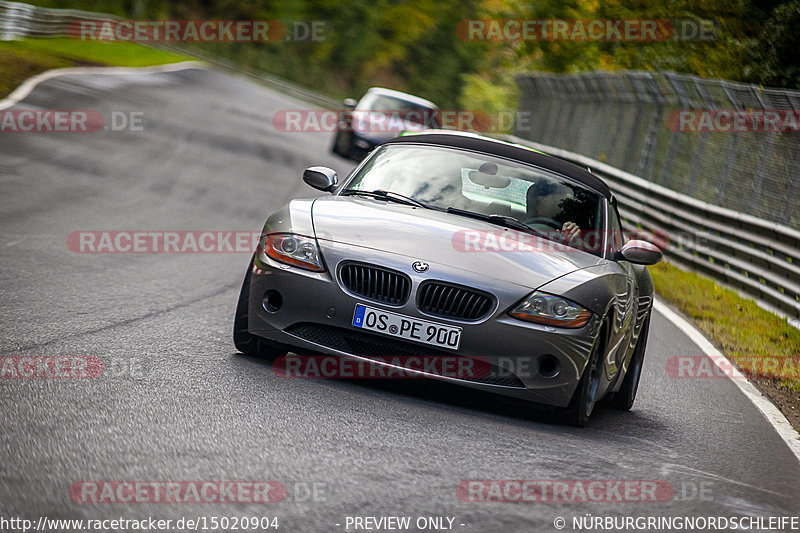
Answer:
(585, 398)
(624, 397)
(245, 341)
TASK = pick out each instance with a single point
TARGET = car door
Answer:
(626, 297)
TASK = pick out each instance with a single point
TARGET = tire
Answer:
(585, 398)
(623, 399)
(244, 341)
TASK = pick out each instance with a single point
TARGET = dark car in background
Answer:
(380, 115)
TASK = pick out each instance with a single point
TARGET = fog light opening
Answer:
(549, 366)
(272, 301)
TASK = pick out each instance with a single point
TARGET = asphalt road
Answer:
(176, 402)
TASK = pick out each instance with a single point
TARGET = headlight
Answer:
(294, 250)
(551, 310)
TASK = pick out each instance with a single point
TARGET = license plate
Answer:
(406, 327)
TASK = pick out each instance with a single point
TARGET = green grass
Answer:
(22, 59)
(746, 333)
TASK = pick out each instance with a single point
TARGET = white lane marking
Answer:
(767, 408)
(21, 92)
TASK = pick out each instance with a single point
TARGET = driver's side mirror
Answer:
(640, 252)
(349, 103)
(322, 178)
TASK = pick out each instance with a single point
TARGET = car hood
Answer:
(436, 237)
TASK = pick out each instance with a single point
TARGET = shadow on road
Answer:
(433, 391)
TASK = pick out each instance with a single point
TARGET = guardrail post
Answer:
(790, 207)
(684, 103)
(616, 135)
(764, 155)
(733, 148)
(648, 151)
(708, 106)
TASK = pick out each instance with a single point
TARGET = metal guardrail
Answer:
(757, 257)
(18, 20)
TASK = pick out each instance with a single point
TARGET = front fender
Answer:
(604, 290)
(597, 287)
(294, 217)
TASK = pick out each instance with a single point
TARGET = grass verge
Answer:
(765, 347)
(19, 60)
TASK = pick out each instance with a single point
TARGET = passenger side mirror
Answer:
(640, 252)
(322, 178)
(349, 103)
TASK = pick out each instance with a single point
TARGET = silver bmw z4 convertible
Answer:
(461, 258)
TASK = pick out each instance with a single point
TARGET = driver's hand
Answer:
(570, 230)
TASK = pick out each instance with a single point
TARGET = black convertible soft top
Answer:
(510, 151)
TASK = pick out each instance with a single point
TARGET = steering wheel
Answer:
(546, 221)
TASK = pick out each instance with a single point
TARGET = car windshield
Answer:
(387, 104)
(482, 184)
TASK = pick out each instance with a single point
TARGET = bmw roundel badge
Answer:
(420, 266)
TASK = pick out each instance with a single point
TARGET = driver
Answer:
(543, 200)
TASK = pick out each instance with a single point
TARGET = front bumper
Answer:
(316, 313)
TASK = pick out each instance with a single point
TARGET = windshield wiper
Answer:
(500, 220)
(388, 195)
